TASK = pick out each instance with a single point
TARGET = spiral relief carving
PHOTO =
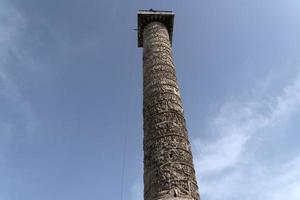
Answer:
(168, 164)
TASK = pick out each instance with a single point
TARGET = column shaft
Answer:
(168, 166)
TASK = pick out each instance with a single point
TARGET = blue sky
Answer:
(71, 97)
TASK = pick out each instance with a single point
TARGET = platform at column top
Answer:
(147, 16)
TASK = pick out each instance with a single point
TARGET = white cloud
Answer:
(225, 163)
(11, 28)
(225, 169)
(287, 184)
(255, 183)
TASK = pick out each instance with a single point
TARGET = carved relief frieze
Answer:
(156, 43)
(163, 107)
(175, 119)
(155, 59)
(156, 99)
(159, 68)
(158, 48)
(168, 142)
(157, 83)
(159, 76)
(168, 161)
(161, 89)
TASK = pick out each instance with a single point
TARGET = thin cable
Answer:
(123, 166)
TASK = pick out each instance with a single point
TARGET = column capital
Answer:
(147, 16)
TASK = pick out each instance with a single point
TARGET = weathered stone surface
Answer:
(147, 16)
(168, 164)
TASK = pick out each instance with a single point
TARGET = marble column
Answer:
(168, 164)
